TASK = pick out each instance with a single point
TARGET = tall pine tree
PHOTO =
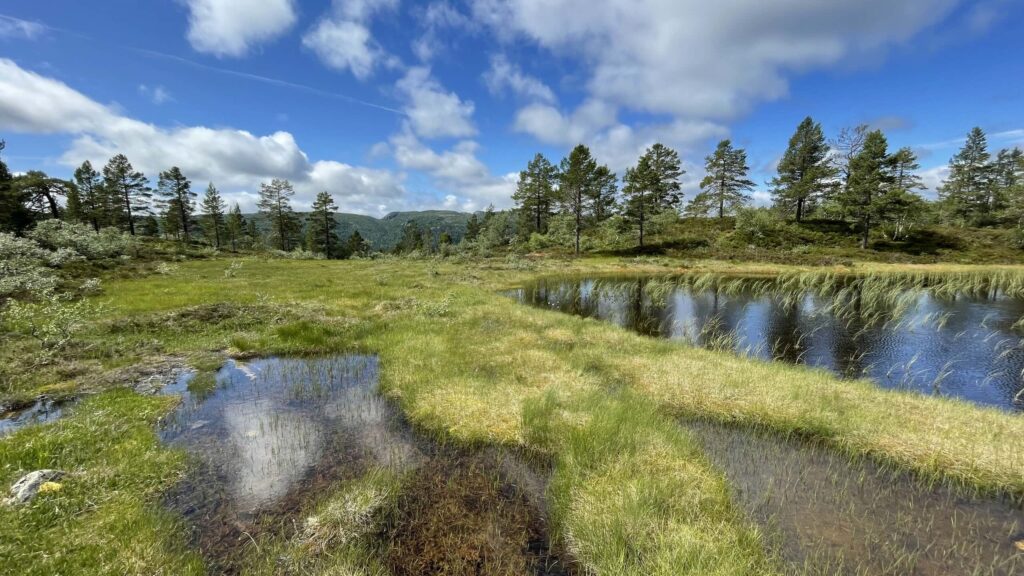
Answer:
(870, 178)
(234, 226)
(96, 208)
(275, 205)
(178, 202)
(322, 237)
(213, 215)
(652, 187)
(128, 188)
(536, 196)
(15, 215)
(805, 174)
(723, 187)
(966, 193)
(576, 179)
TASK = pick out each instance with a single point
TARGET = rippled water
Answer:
(960, 346)
(42, 411)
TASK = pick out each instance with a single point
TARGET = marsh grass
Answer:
(631, 492)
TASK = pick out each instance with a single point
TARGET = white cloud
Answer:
(437, 19)
(932, 178)
(456, 170)
(158, 94)
(692, 59)
(236, 160)
(233, 27)
(17, 28)
(617, 144)
(504, 75)
(343, 41)
(434, 112)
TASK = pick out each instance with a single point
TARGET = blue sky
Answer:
(397, 105)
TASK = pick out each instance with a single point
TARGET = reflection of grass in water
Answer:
(202, 385)
(827, 515)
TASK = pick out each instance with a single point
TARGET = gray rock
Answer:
(26, 488)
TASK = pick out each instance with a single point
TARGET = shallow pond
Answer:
(827, 515)
(267, 436)
(40, 412)
(956, 345)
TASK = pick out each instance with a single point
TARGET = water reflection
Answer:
(957, 346)
(42, 411)
(827, 515)
(265, 430)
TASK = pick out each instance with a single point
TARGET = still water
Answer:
(265, 434)
(960, 346)
(827, 515)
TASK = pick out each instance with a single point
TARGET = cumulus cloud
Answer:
(618, 144)
(343, 41)
(504, 75)
(659, 56)
(434, 112)
(457, 169)
(236, 160)
(230, 28)
(932, 178)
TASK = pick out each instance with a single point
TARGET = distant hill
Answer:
(384, 233)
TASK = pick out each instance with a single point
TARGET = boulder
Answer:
(26, 488)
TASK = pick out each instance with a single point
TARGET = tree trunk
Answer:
(865, 233)
(721, 208)
(128, 209)
(799, 209)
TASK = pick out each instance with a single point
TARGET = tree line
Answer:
(120, 196)
(853, 178)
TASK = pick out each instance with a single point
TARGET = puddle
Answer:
(827, 515)
(965, 346)
(42, 411)
(267, 436)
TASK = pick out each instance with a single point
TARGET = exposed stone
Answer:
(26, 488)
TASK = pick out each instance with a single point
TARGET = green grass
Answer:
(631, 493)
(106, 518)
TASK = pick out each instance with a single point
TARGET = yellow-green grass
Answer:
(631, 493)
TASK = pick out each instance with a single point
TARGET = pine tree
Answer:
(445, 239)
(213, 212)
(235, 226)
(323, 239)
(804, 174)
(603, 195)
(1007, 177)
(252, 231)
(275, 205)
(357, 245)
(725, 183)
(178, 201)
(73, 209)
(412, 239)
(870, 179)
(472, 228)
(536, 195)
(902, 205)
(128, 188)
(42, 191)
(14, 213)
(846, 147)
(966, 194)
(95, 200)
(576, 179)
(652, 187)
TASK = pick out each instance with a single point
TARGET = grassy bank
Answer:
(631, 493)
